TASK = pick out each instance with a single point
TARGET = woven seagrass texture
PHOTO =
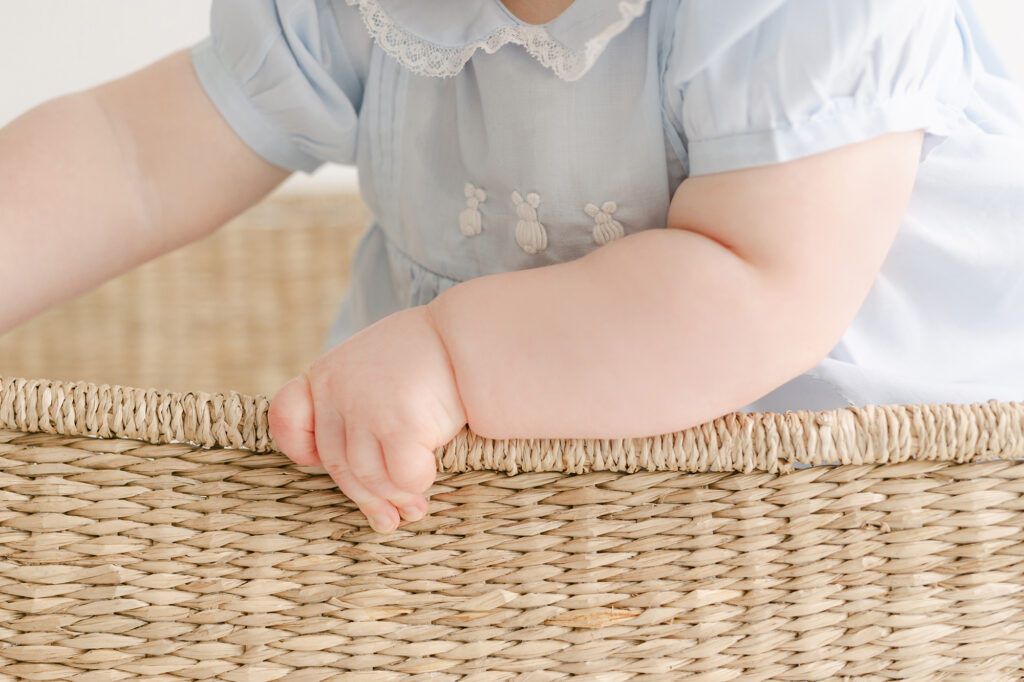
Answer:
(765, 441)
(244, 309)
(126, 559)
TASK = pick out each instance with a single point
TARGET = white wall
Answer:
(51, 47)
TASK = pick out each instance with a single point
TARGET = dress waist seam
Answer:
(391, 244)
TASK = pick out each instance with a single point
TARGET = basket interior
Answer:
(244, 309)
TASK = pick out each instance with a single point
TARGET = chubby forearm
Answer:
(652, 333)
(97, 182)
(62, 183)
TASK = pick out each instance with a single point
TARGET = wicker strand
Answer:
(736, 442)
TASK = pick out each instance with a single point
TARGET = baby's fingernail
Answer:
(412, 513)
(381, 524)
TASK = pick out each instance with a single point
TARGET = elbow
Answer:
(137, 196)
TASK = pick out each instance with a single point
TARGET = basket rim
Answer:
(736, 442)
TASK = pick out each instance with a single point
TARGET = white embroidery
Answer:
(530, 234)
(469, 219)
(607, 228)
(431, 59)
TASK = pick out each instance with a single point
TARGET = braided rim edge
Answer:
(757, 441)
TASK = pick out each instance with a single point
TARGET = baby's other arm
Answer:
(99, 181)
(756, 279)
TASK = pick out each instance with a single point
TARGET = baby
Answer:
(591, 219)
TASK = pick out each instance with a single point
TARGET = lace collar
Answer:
(437, 37)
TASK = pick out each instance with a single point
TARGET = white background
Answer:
(52, 47)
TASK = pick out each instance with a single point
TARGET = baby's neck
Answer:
(537, 11)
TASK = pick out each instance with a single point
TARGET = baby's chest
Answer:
(506, 167)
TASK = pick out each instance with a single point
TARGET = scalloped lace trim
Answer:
(428, 59)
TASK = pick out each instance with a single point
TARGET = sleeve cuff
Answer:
(848, 125)
(237, 109)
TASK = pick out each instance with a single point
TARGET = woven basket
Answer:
(158, 535)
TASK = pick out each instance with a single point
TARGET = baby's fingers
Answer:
(366, 460)
(412, 467)
(290, 417)
(332, 443)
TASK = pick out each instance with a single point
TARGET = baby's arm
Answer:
(97, 182)
(668, 328)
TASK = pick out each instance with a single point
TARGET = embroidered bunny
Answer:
(606, 228)
(530, 234)
(469, 219)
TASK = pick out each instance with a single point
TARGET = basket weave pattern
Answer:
(702, 554)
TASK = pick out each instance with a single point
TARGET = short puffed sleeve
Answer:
(754, 82)
(288, 77)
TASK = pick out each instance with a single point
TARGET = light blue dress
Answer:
(485, 144)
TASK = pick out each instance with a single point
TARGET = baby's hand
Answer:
(371, 411)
